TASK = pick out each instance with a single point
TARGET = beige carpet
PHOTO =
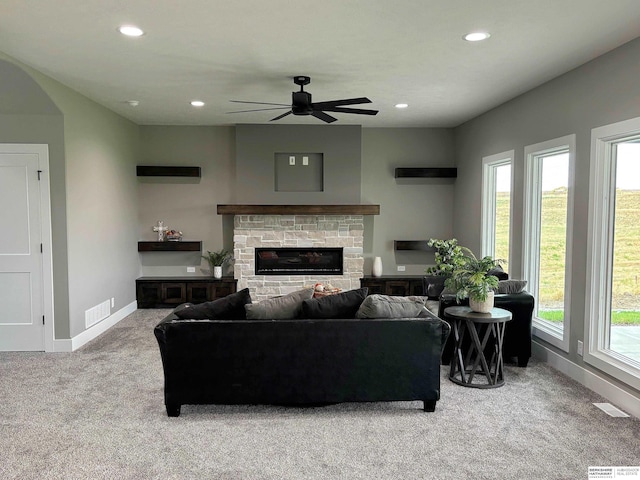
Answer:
(98, 413)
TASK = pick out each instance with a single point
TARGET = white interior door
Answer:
(21, 257)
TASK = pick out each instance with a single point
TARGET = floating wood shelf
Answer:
(170, 246)
(298, 209)
(412, 245)
(426, 172)
(159, 171)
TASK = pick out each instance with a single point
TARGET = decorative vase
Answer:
(482, 307)
(217, 271)
(376, 271)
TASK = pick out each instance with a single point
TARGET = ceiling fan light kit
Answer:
(302, 105)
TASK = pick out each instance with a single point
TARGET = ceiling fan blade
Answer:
(360, 111)
(261, 103)
(337, 103)
(259, 110)
(281, 116)
(323, 116)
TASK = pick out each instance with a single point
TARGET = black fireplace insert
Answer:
(299, 261)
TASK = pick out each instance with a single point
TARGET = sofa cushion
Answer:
(279, 308)
(387, 306)
(230, 307)
(340, 305)
(511, 286)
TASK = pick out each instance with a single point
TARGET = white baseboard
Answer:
(620, 398)
(94, 331)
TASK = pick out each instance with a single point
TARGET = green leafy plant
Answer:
(216, 259)
(448, 256)
(471, 277)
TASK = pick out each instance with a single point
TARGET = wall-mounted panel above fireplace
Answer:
(299, 261)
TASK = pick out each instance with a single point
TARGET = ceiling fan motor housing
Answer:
(301, 103)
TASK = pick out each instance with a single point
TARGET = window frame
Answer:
(489, 167)
(602, 184)
(532, 203)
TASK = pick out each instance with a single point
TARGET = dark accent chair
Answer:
(517, 336)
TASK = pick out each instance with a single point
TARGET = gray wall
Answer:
(603, 91)
(255, 172)
(93, 153)
(187, 205)
(410, 209)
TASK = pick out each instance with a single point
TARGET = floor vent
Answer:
(610, 410)
(97, 313)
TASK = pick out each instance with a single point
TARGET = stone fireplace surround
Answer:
(291, 230)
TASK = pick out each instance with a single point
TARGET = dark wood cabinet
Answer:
(387, 285)
(167, 292)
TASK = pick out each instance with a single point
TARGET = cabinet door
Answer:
(173, 293)
(374, 286)
(416, 287)
(221, 289)
(397, 287)
(149, 294)
(197, 292)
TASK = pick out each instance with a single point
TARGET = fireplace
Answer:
(299, 261)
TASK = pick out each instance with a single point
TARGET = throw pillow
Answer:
(279, 308)
(230, 307)
(499, 272)
(511, 286)
(340, 305)
(433, 285)
(386, 306)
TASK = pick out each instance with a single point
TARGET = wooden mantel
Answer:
(298, 209)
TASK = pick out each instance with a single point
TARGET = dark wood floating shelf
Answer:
(412, 245)
(170, 246)
(426, 172)
(158, 171)
(298, 209)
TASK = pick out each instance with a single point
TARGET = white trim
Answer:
(599, 240)
(96, 330)
(531, 233)
(489, 165)
(621, 398)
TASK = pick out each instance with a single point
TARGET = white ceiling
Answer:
(388, 50)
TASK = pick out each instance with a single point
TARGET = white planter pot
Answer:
(482, 307)
(376, 271)
(217, 272)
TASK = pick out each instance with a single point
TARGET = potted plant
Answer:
(216, 260)
(472, 279)
(448, 256)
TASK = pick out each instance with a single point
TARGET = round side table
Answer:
(486, 332)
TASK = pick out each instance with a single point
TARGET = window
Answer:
(548, 208)
(496, 205)
(612, 313)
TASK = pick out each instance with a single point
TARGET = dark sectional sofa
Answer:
(301, 361)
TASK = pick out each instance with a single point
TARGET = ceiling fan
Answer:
(301, 104)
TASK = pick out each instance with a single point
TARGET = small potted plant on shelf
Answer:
(472, 279)
(216, 261)
(448, 256)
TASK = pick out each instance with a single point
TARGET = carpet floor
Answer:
(98, 413)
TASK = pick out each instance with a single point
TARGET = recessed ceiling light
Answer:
(476, 36)
(197, 103)
(133, 103)
(130, 30)
(401, 105)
